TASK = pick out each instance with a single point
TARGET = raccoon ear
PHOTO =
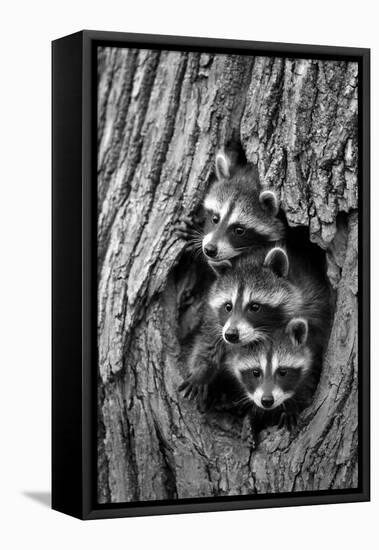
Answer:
(277, 260)
(298, 331)
(269, 202)
(221, 268)
(222, 165)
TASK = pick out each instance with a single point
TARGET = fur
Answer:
(239, 214)
(259, 289)
(279, 375)
(251, 301)
(205, 358)
(265, 296)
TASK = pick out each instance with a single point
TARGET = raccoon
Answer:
(240, 215)
(254, 297)
(246, 323)
(248, 303)
(258, 296)
(278, 378)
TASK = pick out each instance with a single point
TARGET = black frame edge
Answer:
(365, 295)
(67, 479)
(150, 509)
(197, 42)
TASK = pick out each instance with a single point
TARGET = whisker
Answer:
(194, 234)
(198, 253)
(196, 240)
(242, 401)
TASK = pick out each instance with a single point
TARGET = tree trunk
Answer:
(161, 117)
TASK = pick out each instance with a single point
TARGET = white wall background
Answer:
(25, 103)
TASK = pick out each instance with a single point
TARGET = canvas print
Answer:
(227, 275)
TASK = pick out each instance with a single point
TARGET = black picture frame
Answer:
(74, 274)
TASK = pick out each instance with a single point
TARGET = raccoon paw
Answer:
(185, 228)
(186, 300)
(287, 420)
(194, 388)
(248, 433)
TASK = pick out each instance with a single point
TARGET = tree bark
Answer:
(161, 117)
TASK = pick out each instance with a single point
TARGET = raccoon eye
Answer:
(282, 371)
(228, 307)
(254, 306)
(239, 230)
(215, 218)
(256, 373)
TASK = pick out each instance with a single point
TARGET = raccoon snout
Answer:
(267, 401)
(210, 250)
(232, 336)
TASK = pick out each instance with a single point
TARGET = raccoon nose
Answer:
(210, 250)
(232, 336)
(267, 401)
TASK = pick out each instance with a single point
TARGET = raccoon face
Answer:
(245, 321)
(272, 375)
(252, 300)
(237, 215)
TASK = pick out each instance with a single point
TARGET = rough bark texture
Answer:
(161, 117)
